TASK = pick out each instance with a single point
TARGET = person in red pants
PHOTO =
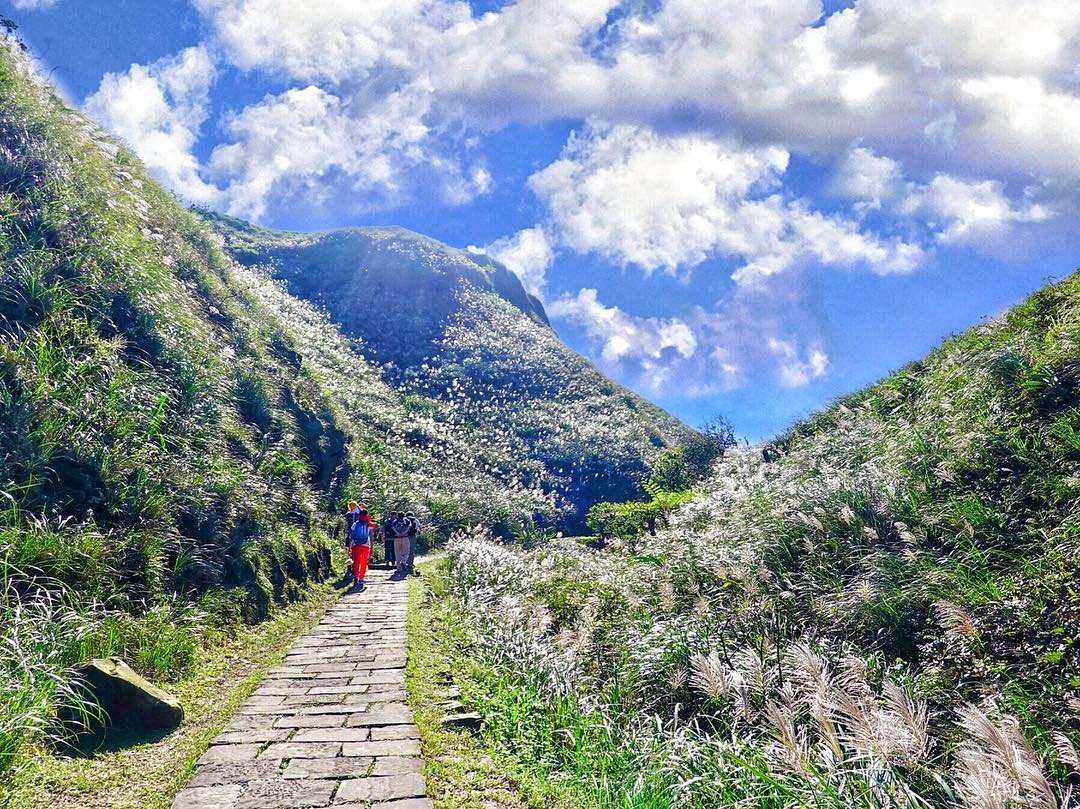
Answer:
(359, 539)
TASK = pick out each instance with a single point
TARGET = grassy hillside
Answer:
(176, 431)
(882, 608)
(165, 460)
(460, 336)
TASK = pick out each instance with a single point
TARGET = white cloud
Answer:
(647, 342)
(749, 336)
(966, 212)
(661, 202)
(933, 85)
(159, 109)
(294, 139)
(34, 5)
(796, 368)
(338, 41)
(658, 202)
(529, 254)
(1025, 120)
(955, 210)
(461, 185)
(529, 61)
(868, 177)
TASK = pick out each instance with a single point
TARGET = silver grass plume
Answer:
(998, 767)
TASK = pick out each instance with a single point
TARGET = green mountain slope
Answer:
(458, 333)
(879, 608)
(165, 460)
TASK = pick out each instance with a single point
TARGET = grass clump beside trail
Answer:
(880, 609)
(463, 770)
(147, 772)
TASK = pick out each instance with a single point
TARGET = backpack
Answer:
(360, 533)
(400, 528)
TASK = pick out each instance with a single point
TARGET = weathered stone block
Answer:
(379, 788)
(281, 794)
(126, 699)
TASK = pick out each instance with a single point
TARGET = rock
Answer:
(462, 721)
(128, 700)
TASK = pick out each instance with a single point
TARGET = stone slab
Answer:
(378, 788)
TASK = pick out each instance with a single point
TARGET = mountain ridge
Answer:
(422, 312)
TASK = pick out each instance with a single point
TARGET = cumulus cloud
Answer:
(796, 367)
(893, 73)
(647, 342)
(305, 144)
(309, 144)
(752, 335)
(662, 202)
(338, 41)
(933, 85)
(966, 212)
(956, 211)
(529, 254)
(159, 109)
(869, 178)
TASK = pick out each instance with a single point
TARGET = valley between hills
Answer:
(879, 607)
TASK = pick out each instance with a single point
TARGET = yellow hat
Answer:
(352, 505)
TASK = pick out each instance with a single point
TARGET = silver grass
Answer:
(1066, 751)
(1003, 749)
(952, 618)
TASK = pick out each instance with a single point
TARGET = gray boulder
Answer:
(128, 700)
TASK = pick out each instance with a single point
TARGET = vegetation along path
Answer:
(329, 726)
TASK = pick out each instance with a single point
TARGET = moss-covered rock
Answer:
(127, 700)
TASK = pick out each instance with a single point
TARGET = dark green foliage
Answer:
(633, 519)
(679, 468)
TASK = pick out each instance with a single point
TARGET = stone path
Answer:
(329, 726)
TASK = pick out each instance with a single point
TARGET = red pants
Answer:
(359, 554)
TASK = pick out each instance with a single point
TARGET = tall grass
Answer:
(880, 610)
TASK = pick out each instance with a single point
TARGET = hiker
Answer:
(388, 538)
(413, 523)
(359, 542)
(402, 550)
(352, 511)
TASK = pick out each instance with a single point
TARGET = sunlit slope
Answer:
(458, 334)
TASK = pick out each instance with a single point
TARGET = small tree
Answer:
(670, 472)
(678, 469)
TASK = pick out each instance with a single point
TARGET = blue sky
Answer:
(733, 208)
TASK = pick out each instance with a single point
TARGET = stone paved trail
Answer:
(329, 726)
